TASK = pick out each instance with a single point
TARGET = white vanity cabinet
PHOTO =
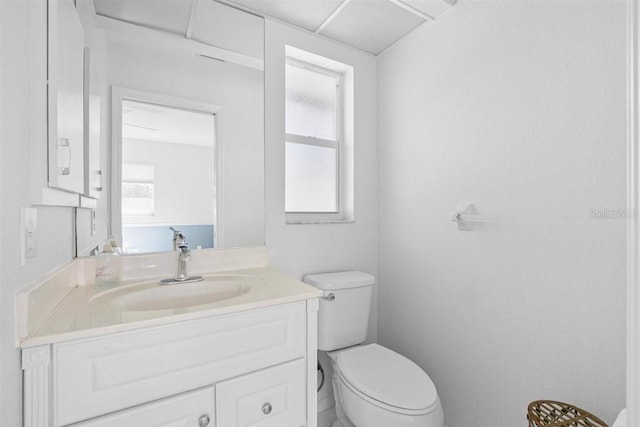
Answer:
(187, 409)
(248, 368)
(273, 397)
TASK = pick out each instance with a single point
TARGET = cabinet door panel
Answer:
(184, 410)
(66, 96)
(274, 397)
(98, 376)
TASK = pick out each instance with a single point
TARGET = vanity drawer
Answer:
(274, 397)
(97, 376)
(184, 410)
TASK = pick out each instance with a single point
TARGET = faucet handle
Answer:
(179, 239)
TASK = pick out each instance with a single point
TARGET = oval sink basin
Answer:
(150, 295)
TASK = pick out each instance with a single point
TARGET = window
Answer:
(315, 145)
(138, 197)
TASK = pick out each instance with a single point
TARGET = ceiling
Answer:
(157, 123)
(368, 25)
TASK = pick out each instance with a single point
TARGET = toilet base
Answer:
(336, 423)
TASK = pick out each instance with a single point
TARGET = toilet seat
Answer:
(387, 379)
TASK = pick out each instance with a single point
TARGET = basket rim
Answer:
(581, 413)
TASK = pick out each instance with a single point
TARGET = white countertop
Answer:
(78, 316)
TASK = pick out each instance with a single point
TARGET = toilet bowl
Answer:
(373, 386)
(376, 387)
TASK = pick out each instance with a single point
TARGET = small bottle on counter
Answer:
(116, 249)
(107, 267)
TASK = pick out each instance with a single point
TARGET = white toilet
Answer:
(373, 386)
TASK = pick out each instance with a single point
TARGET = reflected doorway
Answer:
(168, 176)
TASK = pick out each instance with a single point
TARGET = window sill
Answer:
(320, 221)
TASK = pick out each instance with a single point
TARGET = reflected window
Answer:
(137, 190)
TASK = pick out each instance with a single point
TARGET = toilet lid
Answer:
(387, 377)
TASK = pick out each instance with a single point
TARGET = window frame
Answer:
(338, 144)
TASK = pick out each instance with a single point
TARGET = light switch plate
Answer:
(28, 235)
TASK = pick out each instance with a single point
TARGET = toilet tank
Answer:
(342, 319)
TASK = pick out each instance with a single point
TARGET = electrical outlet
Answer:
(28, 235)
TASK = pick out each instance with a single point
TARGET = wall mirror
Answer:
(182, 124)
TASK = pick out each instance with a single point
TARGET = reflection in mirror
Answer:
(167, 178)
(161, 66)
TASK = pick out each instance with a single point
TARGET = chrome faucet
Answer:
(178, 239)
(184, 254)
(183, 257)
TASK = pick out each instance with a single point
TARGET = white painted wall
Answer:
(239, 90)
(300, 249)
(55, 225)
(518, 107)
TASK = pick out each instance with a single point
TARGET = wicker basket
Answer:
(549, 413)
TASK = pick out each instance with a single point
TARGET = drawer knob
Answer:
(266, 408)
(203, 421)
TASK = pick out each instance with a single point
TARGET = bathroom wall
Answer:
(519, 108)
(300, 249)
(55, 225)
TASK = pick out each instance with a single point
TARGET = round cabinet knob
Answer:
(266, 408)
(204, 420)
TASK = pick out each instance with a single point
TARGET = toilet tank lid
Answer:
(340, 280)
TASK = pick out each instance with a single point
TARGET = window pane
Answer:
(137, 199)
(310, 175)
(311, 103)
(137, 189)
